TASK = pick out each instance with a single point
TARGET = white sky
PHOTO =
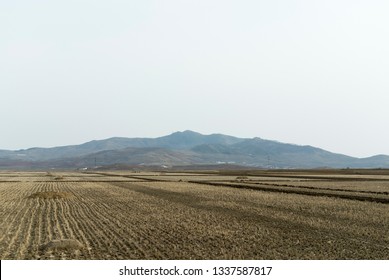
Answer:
(303, 72)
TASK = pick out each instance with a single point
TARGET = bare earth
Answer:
(124, 215)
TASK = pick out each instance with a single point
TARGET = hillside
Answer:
(181, 149)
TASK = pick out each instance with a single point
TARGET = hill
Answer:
(184, 149)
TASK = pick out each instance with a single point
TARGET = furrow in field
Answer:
(84, 227)
(97, 227)
(140, 230)
(105, 213)
(50, 234)
(131, 223)
(118, 244)
(15, 212)
(158, 229)
(29, 243)
(75, 231)
(118, 219)
(27, 236)
(137, 214)
(184, 232)
(16, 232)
(11, 208)
(39, 228)
(63, 218)
(43, 222)
(85, 231)
(98, 233)
(56, 220)
(279, 222)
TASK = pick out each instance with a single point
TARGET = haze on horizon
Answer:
(296, 71)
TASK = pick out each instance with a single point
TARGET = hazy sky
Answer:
(303, 72)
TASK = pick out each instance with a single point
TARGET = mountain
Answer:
(185, 148)
(177, 140)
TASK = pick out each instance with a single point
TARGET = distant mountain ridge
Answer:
(184, 148)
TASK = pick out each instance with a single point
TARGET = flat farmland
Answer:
(125, 215)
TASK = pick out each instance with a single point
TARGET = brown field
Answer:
(226, 215)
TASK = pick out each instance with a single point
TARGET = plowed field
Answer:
(188, 216)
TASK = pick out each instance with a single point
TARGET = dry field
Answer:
(124, 215)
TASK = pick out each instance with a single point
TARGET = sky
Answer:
(297, 71)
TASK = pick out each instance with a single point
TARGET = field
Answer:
(209, 215)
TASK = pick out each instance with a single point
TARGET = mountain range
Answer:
(184, 149)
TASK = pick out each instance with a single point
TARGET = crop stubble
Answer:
(180, 220)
